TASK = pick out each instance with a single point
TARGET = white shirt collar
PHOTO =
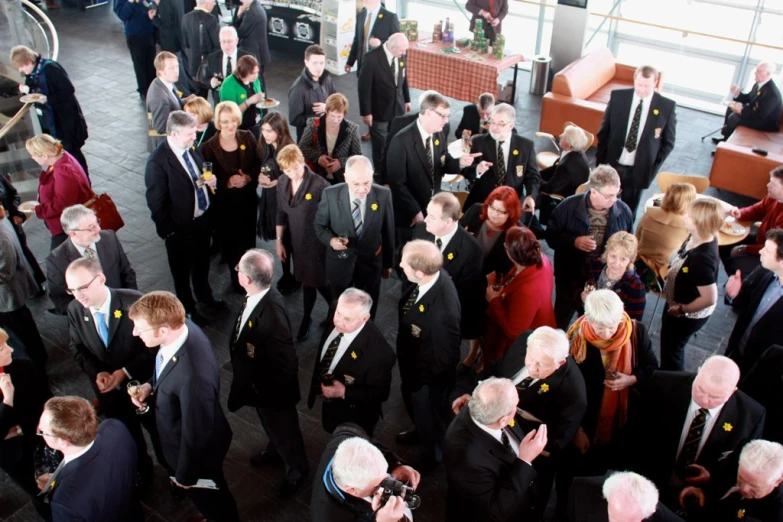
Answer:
(104, 308)
(423, 289)
(168, 351)
(493, 432)
(252, 302)
(389, 55)
(762, 84)
(424, 133)
(445, 239)
(168, 85)
(81, 249)
(74, 456)
(646, 100)
(345, 342)
(178, 151)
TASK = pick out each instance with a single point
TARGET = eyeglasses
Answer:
(499, 123)
(91, 228)
(138, 332)
(504, 212)
(610, 197)
(72, 291)
(42, 434)
(443, 116)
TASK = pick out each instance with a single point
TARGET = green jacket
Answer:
(233, 90)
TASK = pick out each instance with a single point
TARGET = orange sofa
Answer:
(580, 92)
(737, 169)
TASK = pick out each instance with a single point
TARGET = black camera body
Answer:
(394, 488)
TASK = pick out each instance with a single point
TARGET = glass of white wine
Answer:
(134, 390)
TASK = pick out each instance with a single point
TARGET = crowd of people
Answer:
(558, 387)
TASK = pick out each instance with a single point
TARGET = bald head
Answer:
(256, 270)
(494, 402)
(716, 382)
(397, 44)
(629, 497)
(358, 176)
(421, 260)
(764, 71)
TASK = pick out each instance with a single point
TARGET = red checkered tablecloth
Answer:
(463, 76)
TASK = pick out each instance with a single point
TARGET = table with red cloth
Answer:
(457, 75)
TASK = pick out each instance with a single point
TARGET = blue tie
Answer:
(202, 198)
(158, 364)
(103, 330)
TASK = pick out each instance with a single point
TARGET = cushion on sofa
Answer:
(583, 77)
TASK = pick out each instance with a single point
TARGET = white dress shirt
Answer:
(74, 456)
(627, 158)
(168, 351)
(362, 204)
(496, 434)
(197, 212)
(523, 374)
(345, 342)
(171, 88)
(372, 16)
(390, 59)
(423, 289)
(252, 302)
(81, 249)
(445, 239)
(225, 62)
(712, 417)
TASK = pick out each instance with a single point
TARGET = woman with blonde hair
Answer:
(61, 184)
(202, 111)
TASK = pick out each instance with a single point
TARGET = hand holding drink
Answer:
(139, 393)
(207, 176)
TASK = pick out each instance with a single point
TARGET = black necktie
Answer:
(331, 350)
(238, 326)
(439, 243)
(525, 383)
(431, 173)
(229, 68)
(501, 168)
(411, 300)
(505, 441)
(633, 132)
(393, 71)
(691, 445)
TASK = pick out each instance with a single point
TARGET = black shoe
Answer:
(408, 437)
(197, 318)
(304, 330)
(716, 140)
(289, 286)
(289, 487)
(266, 458)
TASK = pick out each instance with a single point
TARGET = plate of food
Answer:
(732, 228)
(268, 103)
(33, 98)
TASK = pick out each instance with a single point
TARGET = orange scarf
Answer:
(614, 405)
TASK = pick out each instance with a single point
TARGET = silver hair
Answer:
(229, 29)
(358, 161)
(432, 100)
(603, 176)
(506, 109)
(551, 341)
(71, 216)
(492, 399)
(603, 308)
(639, 489)
(424, 94)
(357, 297)
(720, 370)
(485, 101)
(357, 463)
(395, 40)
(179, 120)
(771, 67)
(575, 137)
(763, 457)
(259, 265)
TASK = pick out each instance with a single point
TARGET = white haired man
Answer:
(759, 108)
(489, 463)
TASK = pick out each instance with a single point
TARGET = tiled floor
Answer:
(94, 54)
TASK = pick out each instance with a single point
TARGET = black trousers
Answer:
(215, 505)
(378, 132)
(428, 408)
(188, 255)
(367, 277)
(21, 322)
(142, 51)
(675, 333)
(730, 123)
(564, 301)
(631, 195)
(237, 236)
(18, 461)
(285, 437)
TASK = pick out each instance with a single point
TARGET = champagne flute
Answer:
(342, 254)
(206, 173)
(589, 286)
(134, 390)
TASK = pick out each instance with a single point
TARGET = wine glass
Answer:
(134, 390)
(342, 254)
(466, 144)
(589, 286)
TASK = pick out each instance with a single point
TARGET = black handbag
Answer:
(202, 75)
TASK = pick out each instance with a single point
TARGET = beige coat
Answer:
(659, 233)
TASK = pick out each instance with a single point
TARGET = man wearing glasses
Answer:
(503, 158)
(86, 240)
(578, 230)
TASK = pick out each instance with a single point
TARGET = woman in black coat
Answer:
(298, 194)
(62, 114)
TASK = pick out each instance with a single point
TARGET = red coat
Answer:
(770, 212)
(60, 186)
(526, 303)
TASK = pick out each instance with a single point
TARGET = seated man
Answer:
(475, 117)
(571, 169)
(489, 458)
(757, 109)
(621, 497)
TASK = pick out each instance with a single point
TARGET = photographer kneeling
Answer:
(352, 482)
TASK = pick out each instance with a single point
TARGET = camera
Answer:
(327, 379)
(394, 488)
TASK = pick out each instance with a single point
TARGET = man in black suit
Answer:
(362, 212)
(199, 39)
(758, 303)
(180, 201)
(95, 480)
(222, 64)
(462, 258)
(503, 158)
(185, 390)
(167, 17)
(475, 117)
(383, 90)
(353, 367)
(489, 460)
(637, 134)
(86, 240)
(571, 169)
(266, 368)
(620, 497)
(428, 347)
(103, 346)
(250, 22)
(763, 383)
(346, 488)
(374, 25)
(686, 425)
(757, 109)
(551, 391)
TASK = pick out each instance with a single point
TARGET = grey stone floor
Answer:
(93, 52)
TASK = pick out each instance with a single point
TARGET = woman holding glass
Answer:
(245, 89)
(298, 194)
(232, 153)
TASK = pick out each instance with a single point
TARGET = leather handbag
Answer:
(202, 74)
(106, 211)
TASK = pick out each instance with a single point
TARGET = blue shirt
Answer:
(134, 16)
(771, 295)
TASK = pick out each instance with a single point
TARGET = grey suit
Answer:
(114, 262)
(160, 102)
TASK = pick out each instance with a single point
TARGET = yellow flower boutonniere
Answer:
(758, 93)
(308, 196)
(241, 96)
(402, 64)
(354, 356)
(193, 147)
(685, 270)
(741, 513)
(374, 207)
(380, 15)
(450, 256)
(180, 93)
(544, 388)
(421, 308)
(242, 147)
(437, 142)
(515, 153)
(727, 426)
(656, 112)
(117, 314)
(250, 324)
(512, 423)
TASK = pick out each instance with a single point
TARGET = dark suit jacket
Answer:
(407, 172)
(114, 263)
(170, 190)
(386, 24)
(561, 408)
(767, 509)
(428, 340)
(199, 27)
(486, 481)
(378, 95)
(767, 331)
(397, 124)
(586, 503)
(371, 371)
(264, 359)
(168, 25)
(99, 485)
(471, 120)
(193, 430)
(252, 31)
(521, 171)
(500, 11)
(763, 383)
(215, 66)
(660, 421)
(655, 141)
(374, 248)
(761, 107)
(463, 259)
(567, 174)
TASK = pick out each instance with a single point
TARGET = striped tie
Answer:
(90, 253)
(633, 132)
(691, 445)
(356, 215)
(501, 168)
(158, 364)
(331, 350)
(238, 325)
(431, 173)
(411, 300)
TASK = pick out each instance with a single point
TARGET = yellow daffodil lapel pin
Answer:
(354, 356)
(308, 196)
(512, 423)
(242, 147)
(250, 324)
(421, 308)
(544, 388)
(179, 93)
(374, 207)
(758, 93)
(117, 314)
(727, 426)
(656, 112)
(741, 514)
(380, 15)
(515, 153)
(450, 256)
(437, 142)
(685, 270)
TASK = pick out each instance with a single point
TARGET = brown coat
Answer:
(659, 233)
